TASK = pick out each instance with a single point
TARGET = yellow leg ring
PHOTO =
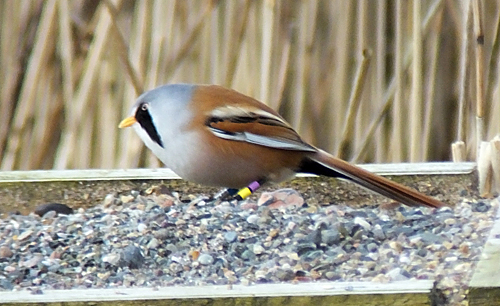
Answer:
(244, 193)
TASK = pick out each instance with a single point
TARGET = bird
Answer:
(216, 136)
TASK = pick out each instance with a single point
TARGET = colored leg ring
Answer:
(247, 191)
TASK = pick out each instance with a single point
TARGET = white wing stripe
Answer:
(263, 140)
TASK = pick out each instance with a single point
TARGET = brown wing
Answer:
(234, 116)
(255, 127)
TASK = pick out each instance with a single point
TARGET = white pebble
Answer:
(253, 219)
(363, 223)
(108, 200)
(258, 249)
(205, 259)
(450, 221)
(112, 258)
(141, 227)
(395, 275)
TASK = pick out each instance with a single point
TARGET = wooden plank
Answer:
(435, 168)
(22, 191)
(87, 175)
(441, 168)
(321, 293)
(484, 287)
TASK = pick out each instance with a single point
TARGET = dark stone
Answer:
(285, 274)
(378, 233)
(358, 234)
(6, 284)
(357, 213)
(312, 255)
(131, 257)
(57, 207)
(480, 207)
(430, 238)
(330, 237)
(372, 247)
(348, 247)
(407, 230)
(204, 216)
(247, 255)
(422, 252)
(300, 273)
(305, 247)
(315, 237)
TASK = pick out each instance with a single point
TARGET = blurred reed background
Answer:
(370, 81)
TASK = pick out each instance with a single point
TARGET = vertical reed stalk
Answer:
(478, 31)
(398, 109)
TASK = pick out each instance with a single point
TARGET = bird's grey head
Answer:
(163, 109)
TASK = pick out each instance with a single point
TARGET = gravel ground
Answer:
(161, 239)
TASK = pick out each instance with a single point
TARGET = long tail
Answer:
(323, 163)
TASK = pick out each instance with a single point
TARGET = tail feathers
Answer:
(323, 163)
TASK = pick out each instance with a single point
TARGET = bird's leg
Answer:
(247, 191)
(225, 194)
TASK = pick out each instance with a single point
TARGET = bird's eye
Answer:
(144, 106)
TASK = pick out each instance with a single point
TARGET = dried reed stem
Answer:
(122, 49)
(345, 147)
(463, 74)
(267, 44)
(187, 43)
(380, 75)
(478, 31)
(42, 47)
(80, 104)
(235, 47)
(398, 110)
(427, 133)
(417, 86)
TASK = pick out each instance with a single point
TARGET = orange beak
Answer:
(127, 122)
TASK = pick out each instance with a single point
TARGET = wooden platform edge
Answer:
(484, 287)
(319, 293)
(436, 168)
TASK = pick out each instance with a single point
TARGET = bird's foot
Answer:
(235, 194)
(226, 194)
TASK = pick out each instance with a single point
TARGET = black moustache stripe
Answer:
(146, 122)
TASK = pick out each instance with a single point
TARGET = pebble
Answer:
(24, 235)
(58, 208)
(378, 232)
(112, 258)
(248, 255)
(141, 227)
(431, 238)
(5, 252)
(372, 247)
(253, 219)
(258, 249)
(109, 200)
(205, 259)
(127, 198)
(285, 274)
(481, 207)
(450, 221)
(397, 274)
(231, 236)
(330, 237)
(282, 198)
(131, 256)
(363, 223)
(153, 243)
